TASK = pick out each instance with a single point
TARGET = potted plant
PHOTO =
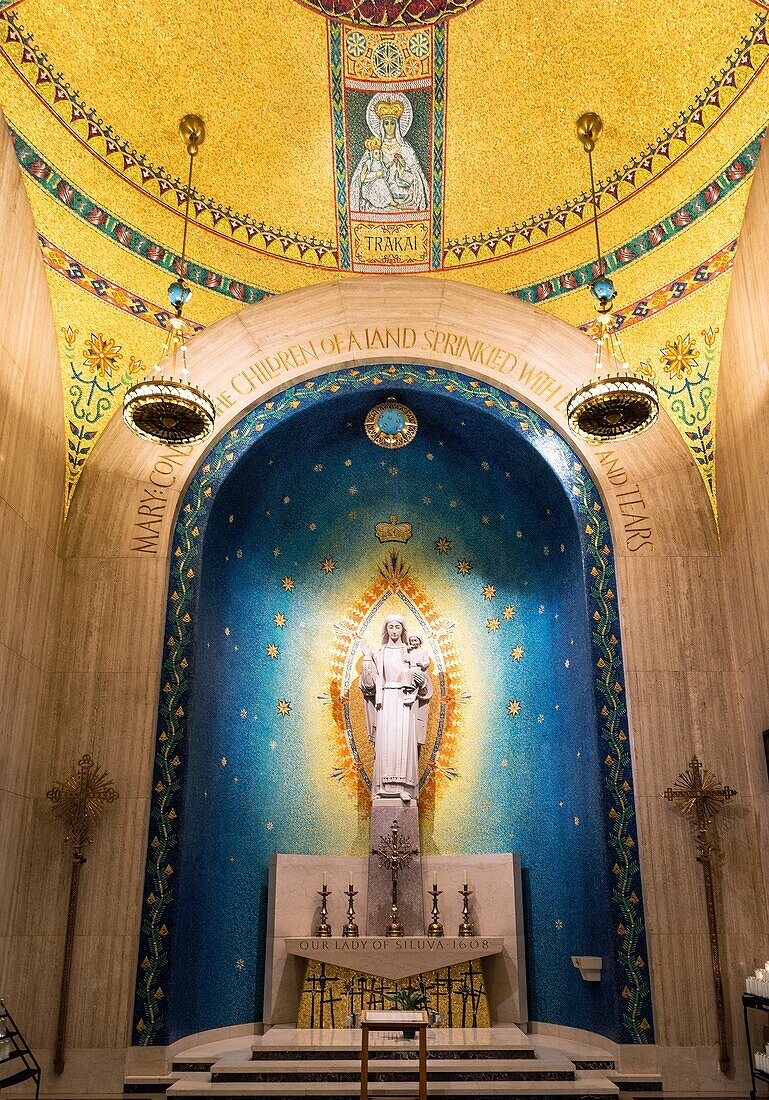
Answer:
(409, 1000)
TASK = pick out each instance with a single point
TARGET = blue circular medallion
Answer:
(391, 424)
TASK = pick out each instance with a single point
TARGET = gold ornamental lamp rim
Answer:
(167, 394)
(613, 391)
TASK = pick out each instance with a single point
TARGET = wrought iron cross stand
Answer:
(699, 798)
(78, 801)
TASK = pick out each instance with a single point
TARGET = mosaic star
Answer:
(283, 707)
(464, 566)
(280, 620)
(489, 592)
(288, 584)
(443, 545)
(328, 565)
(514, 707)
(509, 612)
(492, 625)
(517, 653)
(272, 651)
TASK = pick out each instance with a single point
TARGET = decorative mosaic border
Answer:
(64, 191)
(681, 287)
(715, 99)
(440, 54)
(60, 262)
(336, 88)
(724, 184)
(137, 170)
(677, 140)
(632, 991)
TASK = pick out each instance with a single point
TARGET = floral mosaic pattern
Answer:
(686, 375)
(99, 372)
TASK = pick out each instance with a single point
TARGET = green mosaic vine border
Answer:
(632, 987)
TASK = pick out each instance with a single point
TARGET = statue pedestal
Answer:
(410, 902)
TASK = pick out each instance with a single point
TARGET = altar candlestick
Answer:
(435, 928)
(466, 928)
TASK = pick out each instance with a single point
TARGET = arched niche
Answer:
(676, 663)
(277, 566)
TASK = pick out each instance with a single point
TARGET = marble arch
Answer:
(267, 347)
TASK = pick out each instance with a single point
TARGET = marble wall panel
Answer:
(683, 1014)
(674, 714)
(14, 820)
(669, 858)
(31, 502)
(120, 630)
(101, 991)
(109, 714)
(22, 693)
(110, 898)
(674, 619)
(41, 895)
(31, 985)
(24, 601)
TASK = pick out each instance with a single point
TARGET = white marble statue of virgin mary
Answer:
(396, 692)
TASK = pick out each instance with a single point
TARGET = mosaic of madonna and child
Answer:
(389, 143)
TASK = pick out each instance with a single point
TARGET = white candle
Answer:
(435, 880)
(350, 878)
(465, 876)
(325, 881)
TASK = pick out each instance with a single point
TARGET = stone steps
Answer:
(288, 1064)
(594, 1088)
(405, 1050)
(384, 1068)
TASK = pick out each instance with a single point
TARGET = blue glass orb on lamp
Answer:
(179, 294)
(604, 291)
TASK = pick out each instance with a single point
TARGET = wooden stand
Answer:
(371, 1020)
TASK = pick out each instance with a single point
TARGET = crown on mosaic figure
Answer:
(387, 108)
(372, 144)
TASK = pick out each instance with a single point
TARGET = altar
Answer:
(488, 964)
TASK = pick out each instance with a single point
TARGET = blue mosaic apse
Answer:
(500, 547)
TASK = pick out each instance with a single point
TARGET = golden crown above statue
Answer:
(388, 108)
(393, 531)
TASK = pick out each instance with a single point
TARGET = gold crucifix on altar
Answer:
(699, 797)
(394, 852)
(78, 801)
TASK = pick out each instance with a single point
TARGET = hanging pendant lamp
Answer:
(170, 409)
(616, 403)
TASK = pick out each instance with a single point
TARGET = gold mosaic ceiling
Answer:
(490, 96)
